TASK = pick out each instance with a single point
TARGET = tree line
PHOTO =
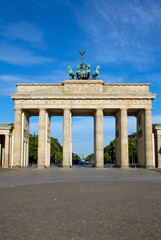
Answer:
(56, 150)
(110, 151)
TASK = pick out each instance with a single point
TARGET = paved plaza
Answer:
(80, 203)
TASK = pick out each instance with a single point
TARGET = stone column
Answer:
(0, 150)
(22, 140)
(6, 154)
(3, 152)
(71, 163)
(67, 138)
(17, 138)
(26, 139)
(47, 157)
(117, 138)
(148, 140)
(158, 147)
(10, 149)
(99, 148)
(42, 138)
(141, 138)
(94, 139)
(153, 143)
(124, 154)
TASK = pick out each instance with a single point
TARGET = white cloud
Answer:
(121, 32)
(7, 82)
(9, 78)
(57, 77)
(28, 32)
(6, 90)
(18, 56)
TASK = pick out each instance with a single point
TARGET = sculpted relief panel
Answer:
(82, 88)
(78, 103)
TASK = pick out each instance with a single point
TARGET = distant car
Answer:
(75, 162)
(83, 162)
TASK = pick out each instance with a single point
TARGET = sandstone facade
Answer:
(83, 98)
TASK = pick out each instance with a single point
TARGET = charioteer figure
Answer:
(83, 71)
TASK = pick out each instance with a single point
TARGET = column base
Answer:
(124, 167)
(5, 166)
(67, 166)
(16, 166)
(99, 166)
(48, 166)
(150, 167)
(40, 167)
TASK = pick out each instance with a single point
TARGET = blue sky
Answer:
(40, 38)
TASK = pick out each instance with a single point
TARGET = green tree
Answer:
(33, 148)
(132, 142)
(90, 158)
(107, 158)
(56, 150)
(75, 157)
(110, 151)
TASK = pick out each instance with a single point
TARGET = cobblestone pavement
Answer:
(80, 203)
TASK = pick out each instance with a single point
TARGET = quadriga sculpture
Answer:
(96, 73)
(70, 72)
(83, 71)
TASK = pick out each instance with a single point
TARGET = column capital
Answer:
(42, 109)
(66, 109)
(18, 109)
(148, 109)
(7, 135)
(99, 109)
(123, 109)
(49, 112)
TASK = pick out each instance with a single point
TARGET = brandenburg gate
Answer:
(83, 97)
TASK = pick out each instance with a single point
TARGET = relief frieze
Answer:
(70, 101)
(79, 88)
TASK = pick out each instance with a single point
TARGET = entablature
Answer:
(81, 87)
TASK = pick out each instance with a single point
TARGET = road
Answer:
(80, 203)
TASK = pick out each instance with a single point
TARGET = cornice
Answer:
(74, 97)
(38, 84)
(83, 82)
(127, 84)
